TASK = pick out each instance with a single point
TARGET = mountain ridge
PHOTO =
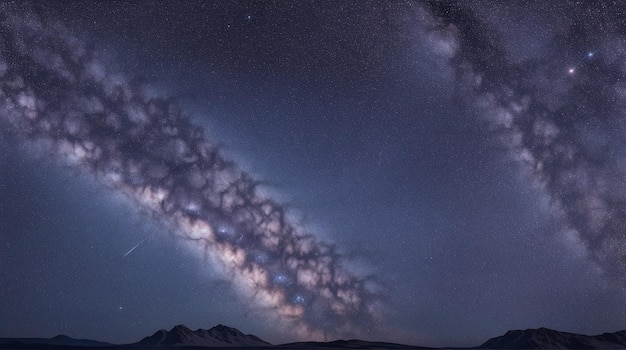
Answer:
(219, 335)
(58, 340)
(545, 338)
(222, 336)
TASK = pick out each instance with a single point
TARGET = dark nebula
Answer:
(426, 172)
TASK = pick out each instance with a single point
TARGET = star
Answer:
(298, 299)
(281, 279)
(312, 179)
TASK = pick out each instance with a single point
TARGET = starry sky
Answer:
(424, 172)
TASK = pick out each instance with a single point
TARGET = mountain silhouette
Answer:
(544, 338)
(222, 336)
(219, 335)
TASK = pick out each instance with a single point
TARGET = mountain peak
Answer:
(543, 338)
(221, 327)
(61, 337)
(219, 335)
(180, 328)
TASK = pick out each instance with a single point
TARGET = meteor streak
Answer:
(135, 247)
(59, 95)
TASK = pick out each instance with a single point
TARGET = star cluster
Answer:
(569, 142)
(424, 172)
(58, 94)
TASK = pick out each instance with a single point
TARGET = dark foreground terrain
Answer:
(222, 337)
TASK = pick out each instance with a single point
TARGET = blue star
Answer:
(225, 230)
(281, 279)
(261, 257)
(298, 299)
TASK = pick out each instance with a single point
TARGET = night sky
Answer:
(422, 172)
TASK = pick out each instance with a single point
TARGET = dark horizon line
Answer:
(337, 343)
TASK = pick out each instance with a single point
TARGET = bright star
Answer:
(281, 279)
(298, 299)
(571, 71)
(590, 54)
